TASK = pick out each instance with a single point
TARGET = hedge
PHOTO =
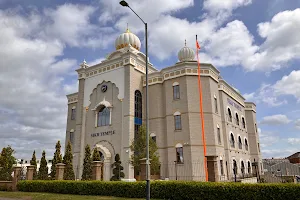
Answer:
(167, 189)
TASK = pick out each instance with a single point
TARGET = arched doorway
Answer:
(105, 156)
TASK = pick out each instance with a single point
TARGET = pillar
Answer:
(143, 165)
(212, 168)
(17, 173)
(60, 168)
(30, 172)
(97, 170)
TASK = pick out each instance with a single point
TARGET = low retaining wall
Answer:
(6, 185)
(249, 180)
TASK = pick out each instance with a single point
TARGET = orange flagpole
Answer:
(201, 111)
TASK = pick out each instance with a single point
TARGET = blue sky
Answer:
(255, 44)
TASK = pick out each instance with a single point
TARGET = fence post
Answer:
(60, 168)
(17, 172)
(29, 173)
(97, 170)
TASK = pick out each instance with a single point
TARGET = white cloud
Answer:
(281, 45)
(289, 85)
(275, 120)
(267, 138)
(32, 84)
(223, 9)
(293, 141)
(297, 124)
(229, 46)
(270, 94)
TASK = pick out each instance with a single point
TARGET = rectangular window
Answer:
(73, 113)
(177, 119)
(179, 154)
(258, 147)
(219, 135)
(216, 105)
(176, 92)
(221, 167)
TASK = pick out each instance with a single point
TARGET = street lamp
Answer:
(125, 4)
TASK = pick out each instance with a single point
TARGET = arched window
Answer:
(216, 104)
(73, 113)
(176, 91)
(244, 123)
(153, 137)
(255, 128)
(104, 116)
(72, 136)
(242, 167)
(229, 115)
(232, 142)
(246, 144)
(237, 119)
(235, 168)
(138, 104)
(240, 143)
(177, 120)
(249, 167)
(179, 153)
(138, 111)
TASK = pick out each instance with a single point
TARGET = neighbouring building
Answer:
(108, 110)
(26, 162)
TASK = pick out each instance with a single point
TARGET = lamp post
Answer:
(125, 4)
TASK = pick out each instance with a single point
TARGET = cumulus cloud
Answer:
(281, 45)
(267, 139)
(33, 81)
(297, 124)
(275, 120)
(273, 94)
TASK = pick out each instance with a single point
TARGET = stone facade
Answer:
(112, 84)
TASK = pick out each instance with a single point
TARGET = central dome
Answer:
(126, 39)
(186, 54)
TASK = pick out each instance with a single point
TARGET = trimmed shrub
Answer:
(167, 189)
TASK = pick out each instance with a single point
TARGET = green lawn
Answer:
(49, 196)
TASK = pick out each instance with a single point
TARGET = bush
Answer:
(167, 189)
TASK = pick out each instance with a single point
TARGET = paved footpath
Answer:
(2, 198)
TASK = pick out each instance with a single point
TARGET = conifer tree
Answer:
(43, 170)
(96, 155)
(33, 162)
(87, 164)
(57, 158)
(6, 163)
(138, 146)
(117, 169)
(68, 161)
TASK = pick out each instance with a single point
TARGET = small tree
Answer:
(43, 171)
(96, 155)
(138, 146)
(117, 169)
(87, 164)
(33, 162)
(57, 158)
(68, 161)
(6, 163)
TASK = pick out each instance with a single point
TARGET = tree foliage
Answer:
(96, 155)
(43, 170)
(6, 163)
(138, 146)
(117, 169)
(57, 158)
(33, 162)
(68, 161)
(87, 164)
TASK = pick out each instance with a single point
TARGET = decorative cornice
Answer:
(225, 87)
(250, 106)
(182, 69)
(72, 98)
